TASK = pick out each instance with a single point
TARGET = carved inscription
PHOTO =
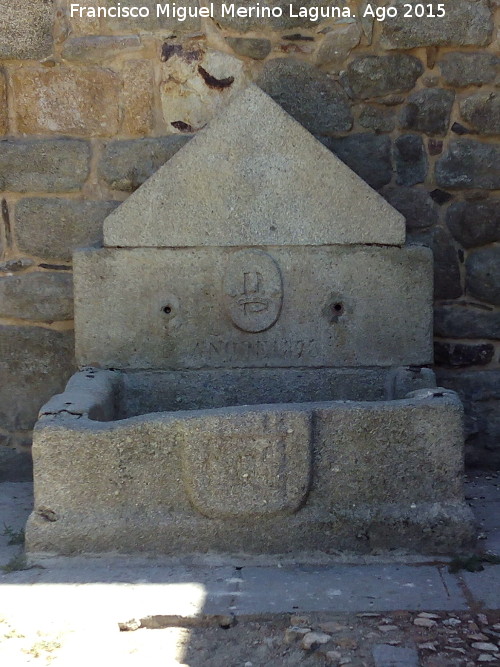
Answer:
(217, 348)
(253, 290)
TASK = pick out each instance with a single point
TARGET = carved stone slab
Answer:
(286, 307)
(253, 176)
(256, 465)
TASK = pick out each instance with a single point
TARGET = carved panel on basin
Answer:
(248, 463)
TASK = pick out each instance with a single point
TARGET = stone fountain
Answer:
(253, 338)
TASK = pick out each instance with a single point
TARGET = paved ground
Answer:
(249, 613)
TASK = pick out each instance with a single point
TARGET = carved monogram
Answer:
(253, 290)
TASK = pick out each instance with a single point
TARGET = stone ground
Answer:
(237, 612)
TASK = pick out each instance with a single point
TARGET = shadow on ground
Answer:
(238, 612)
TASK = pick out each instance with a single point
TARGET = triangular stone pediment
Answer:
(254, 176)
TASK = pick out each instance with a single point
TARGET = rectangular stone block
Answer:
(34, 364)
(44, 165)
(99, 48)
(485, 586)
(83, 101)
(84, 25)
(38, 296)
(126, 165)
(226, 308)
(26, 29)
(52, 228)
(138, 97)
(347, 588)
(469, 164)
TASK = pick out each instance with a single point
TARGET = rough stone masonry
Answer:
(91, 107)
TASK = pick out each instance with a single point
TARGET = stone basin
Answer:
(254, 338)
(277, 477)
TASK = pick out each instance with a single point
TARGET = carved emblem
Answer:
(253, 290)
(261, 467)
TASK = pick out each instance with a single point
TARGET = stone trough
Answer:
(253, 339)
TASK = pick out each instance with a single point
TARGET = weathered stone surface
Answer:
(26, 29)
(483, 274)
(152, 391)
(53, 165)
(211, 464)
(51, 228)
(38, 296)
(428, 111)
(65, 100)
(125, 165)
(474, 223)
(386, 655)
(151, 457)
(469, 69)
(367, 154)
(466, 320)
(256, 48)
(90, 393)
(153, 22)
(337, 45)
(480, 394)
(469, 164)
(4, 115)
(467, 23)
(378, 119)
(410, 160)
(266, 181)
(313, 98)
(177, 329)
(34, 364)
(99, 48)
(482, 112)
(374, 76)
(138, 97)
(419, 210)
(458, 355)
(197, 84)
(447, 281)
(84, 25)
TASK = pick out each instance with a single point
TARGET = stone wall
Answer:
(91, 107)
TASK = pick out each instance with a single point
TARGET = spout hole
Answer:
(167, 309)
(338, 308)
